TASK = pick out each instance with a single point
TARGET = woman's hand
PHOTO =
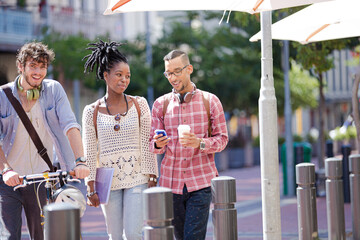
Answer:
(152, 181)
(93, 200)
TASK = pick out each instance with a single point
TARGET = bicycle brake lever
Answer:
(19, 186)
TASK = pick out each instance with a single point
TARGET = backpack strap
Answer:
(96, 110)
(134, 99)
(166, 104)
(205, 97)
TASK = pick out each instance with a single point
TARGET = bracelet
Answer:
(7, 169)
(79, 164)
(90, 194)
(152, 179)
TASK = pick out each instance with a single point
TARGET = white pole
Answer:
(270, 189)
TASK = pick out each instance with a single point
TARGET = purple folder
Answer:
(103, 182)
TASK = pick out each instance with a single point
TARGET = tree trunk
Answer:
(321, 123)
(355, 112)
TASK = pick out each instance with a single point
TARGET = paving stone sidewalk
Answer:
(249, 213)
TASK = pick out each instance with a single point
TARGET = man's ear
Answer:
(20, 66)
(191, 69)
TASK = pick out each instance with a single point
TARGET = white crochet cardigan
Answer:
(126, 150)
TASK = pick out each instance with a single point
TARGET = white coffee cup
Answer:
(182, 129)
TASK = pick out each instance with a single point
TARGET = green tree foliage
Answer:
(316, 57)
(224, 63)
(69, 51)
(303, 87)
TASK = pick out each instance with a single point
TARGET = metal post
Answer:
(335, 199)
(306, 200)
(158, 213)
(62, 222)
(150, 89)
(354, 166)
(288, 118)
(346, 151)
(224, 214)
(270, 188)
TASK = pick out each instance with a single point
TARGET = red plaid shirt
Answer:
(187, 165)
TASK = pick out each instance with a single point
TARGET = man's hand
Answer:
(161, 141)
(190, 140)
(11, 178)
(81, 170)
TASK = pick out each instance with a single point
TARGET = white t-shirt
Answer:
(23, 157)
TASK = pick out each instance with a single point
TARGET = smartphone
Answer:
(160, 131)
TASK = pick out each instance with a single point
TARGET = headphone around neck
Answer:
(31, 94)
(186, 98)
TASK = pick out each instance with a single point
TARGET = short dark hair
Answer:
(104, 55)
(177, 53)
(37, 51)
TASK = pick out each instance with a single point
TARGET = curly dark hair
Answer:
(104, 55)
(37, 51)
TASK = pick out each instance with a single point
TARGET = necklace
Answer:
(122, 114)
(118, 115)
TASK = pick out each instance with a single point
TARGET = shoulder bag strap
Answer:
(29, 127)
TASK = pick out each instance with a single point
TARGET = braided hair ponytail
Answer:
(104, 55)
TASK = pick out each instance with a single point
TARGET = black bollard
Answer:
(299, 154)
(346, 151)
(329, 149)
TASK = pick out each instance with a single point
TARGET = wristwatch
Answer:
(90, 194)
(80, 160)
(202, 144)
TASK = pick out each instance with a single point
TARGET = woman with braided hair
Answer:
(118, 138)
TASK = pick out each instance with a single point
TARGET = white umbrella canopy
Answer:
(250, 6)
(319, 22)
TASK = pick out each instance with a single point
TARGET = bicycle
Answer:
(65, 193)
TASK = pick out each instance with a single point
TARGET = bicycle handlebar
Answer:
(46, 176)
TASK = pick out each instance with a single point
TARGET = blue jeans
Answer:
(124, 211)
(191, 214)
(11, 204)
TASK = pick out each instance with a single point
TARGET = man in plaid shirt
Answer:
(188, 165)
